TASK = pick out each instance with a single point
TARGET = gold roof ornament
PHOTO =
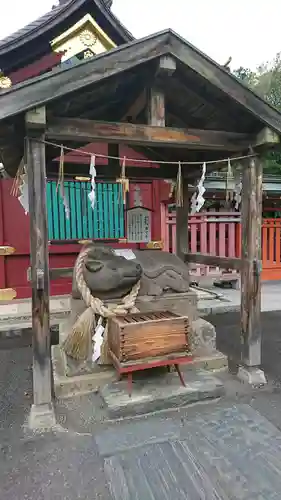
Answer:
(88, 38)
(5, 82)
(87, 35)
(88, 53)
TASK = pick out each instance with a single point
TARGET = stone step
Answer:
(151, 394)
(67, 387)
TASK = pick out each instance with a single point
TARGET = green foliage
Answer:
(266, 82)
(246, 76)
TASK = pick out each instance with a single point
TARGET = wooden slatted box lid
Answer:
(146, 335)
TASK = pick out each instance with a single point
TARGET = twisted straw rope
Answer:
(98, 307)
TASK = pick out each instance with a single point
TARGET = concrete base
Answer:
(252, 376)
(42, 417)
(66, 387)
(152, 394)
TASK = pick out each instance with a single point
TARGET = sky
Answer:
(247, 30)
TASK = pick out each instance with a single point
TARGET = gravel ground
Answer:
(66, 463)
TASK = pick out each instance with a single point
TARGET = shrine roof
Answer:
(62, 82)
(60, 14)
(200, 94)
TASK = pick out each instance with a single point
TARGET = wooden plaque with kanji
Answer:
(138, 225)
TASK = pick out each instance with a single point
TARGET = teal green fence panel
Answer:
(106, 221)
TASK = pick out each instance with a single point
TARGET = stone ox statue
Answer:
(110, 277)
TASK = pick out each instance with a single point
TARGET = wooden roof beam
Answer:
(150, 94)
(136, 108)
(111, 172)
(266, 138)
(167, 65)
(76, 129)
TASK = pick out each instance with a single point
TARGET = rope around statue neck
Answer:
(97, 305)
(81, 344)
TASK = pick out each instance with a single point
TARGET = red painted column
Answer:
(2, 259)
(156, 214)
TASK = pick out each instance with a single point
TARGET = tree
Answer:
(246, 75)
(266, 81)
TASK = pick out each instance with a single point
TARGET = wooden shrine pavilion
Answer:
(196, 111)
(72, 31)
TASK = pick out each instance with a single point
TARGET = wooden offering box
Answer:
(141, 336)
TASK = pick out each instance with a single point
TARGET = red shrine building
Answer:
(72, 31)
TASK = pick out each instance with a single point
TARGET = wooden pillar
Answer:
(156, 97)
(157, 117)
(251, 218)
(251, 266)
(36, 170)
(156, 108)
(182, 239)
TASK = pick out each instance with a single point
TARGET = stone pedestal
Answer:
(71, 377)
(181, 303)
(151, 394)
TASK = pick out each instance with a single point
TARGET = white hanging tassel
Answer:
(124, 181)
(60, 184)
(97, 340)
(20, 186)
(179, 187)
(198, 200)
(201, 189)
(229, 176)
(237, 189)
(193, 203)
(23, 193)
(93, 174)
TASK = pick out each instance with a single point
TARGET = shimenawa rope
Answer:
(77, 343)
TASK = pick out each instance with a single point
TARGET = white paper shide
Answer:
(93, 174)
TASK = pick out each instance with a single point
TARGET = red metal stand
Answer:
(145, 364)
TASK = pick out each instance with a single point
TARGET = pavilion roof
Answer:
(200, 94)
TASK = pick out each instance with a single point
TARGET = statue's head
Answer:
(109, 275)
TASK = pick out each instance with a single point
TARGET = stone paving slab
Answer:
(136, 434)
(231, 299)
(159, 393)
(227, 454)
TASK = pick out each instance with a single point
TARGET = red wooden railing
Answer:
(219, 233)
(271, 255)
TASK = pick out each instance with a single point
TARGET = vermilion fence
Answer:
(219, 233)
(271, 255)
